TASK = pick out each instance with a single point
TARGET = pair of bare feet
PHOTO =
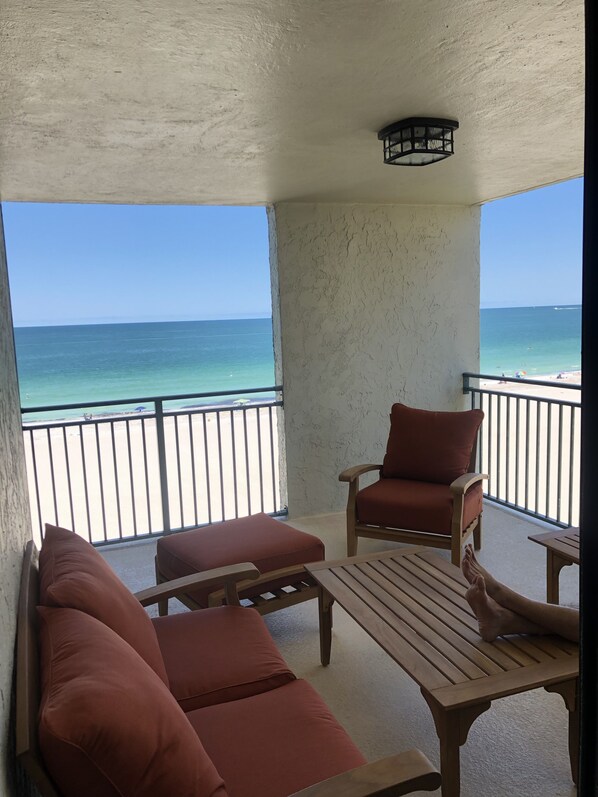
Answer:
(500, 610)
(483, 596)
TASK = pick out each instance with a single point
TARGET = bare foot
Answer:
(472, 569)
(493, 619)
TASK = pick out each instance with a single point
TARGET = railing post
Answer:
(162, 465)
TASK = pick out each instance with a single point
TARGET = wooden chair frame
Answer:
(453, 542)
(396, 775)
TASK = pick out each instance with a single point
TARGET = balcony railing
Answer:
(529, 445)
(132, 468)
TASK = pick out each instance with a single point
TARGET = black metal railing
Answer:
(529, 445)
(122, 471)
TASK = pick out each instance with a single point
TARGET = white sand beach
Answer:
(106, 471)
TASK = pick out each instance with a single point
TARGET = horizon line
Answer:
(113, 322)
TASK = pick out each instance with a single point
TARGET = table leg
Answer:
(325, 601)
(569, 691)
(452, 728)
(554, 565)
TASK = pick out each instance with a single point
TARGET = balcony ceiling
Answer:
(259, 101)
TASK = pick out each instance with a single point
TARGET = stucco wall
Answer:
(15, 524)
(373, 304)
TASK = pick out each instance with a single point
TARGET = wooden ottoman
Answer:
(276, 549)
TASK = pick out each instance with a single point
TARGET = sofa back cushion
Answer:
(74, 575)
(108, 725)
(430, 446)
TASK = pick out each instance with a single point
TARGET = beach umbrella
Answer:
(139, 409)
(519, 374)
(241, 401)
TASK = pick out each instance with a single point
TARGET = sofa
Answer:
(113, 703)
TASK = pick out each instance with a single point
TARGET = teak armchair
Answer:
(428, 492)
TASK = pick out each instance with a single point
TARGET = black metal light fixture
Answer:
(418, 141)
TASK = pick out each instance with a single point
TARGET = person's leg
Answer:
(494, 620)
(549, 618)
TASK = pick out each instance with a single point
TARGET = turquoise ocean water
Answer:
(102, 362)
(70, 364)
(537, 340)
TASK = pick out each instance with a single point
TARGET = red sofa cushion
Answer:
(219, 654)
(108, 725)
(416, 506)
(273, 744)
(74, 575)
(267, 543)
(430, 446)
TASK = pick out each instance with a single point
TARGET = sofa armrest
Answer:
(350, 474)
(461, 485)
(388, 777)
(227, 576)
(216, 598)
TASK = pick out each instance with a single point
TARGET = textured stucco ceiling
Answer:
(258, 101)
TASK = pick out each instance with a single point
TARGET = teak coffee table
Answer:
(562, 549)
(411, 602)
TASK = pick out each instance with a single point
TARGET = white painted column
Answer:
(372, 304)
(15, 522)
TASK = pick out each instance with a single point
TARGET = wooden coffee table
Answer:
(411, 602)
(562, 549)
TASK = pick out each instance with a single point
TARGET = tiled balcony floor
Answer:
(518, 748)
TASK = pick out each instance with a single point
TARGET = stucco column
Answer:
(15, 522)
(372, 304)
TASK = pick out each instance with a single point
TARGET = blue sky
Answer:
(531, 248)
(72, 264)
(77, 264)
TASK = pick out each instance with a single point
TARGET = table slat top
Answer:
(564, 542)
(412, 602)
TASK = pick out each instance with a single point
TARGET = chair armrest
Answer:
(461, 485)
(219, 576)
(350, 474)
(388, 777)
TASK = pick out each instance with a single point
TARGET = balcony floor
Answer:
(518, 747)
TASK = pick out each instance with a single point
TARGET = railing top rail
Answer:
(147, 399)
(126, 416)
(516, 380)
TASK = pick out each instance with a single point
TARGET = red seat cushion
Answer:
(74, 575)
(267, 543)
(430, 446)
(219, 654)
(108, 725)
(413, 505)
(273, 744)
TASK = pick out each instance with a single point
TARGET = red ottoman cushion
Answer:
(305, 742)
(219, 654)
(267, 543)
(415, 506)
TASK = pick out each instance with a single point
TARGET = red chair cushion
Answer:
(108, 725)
(74, 575)
(276, 743)
(430, 446)
(416, 506)
(219, 654)
(267, 543)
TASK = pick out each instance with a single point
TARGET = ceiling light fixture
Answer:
(418, 141)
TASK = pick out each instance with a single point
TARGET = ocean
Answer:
(537, 340)
(101, 362)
